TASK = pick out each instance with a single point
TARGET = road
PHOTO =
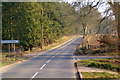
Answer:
(55, 63)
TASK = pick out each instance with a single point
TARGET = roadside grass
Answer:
(99, 75)
(112, 64)
(10, 58)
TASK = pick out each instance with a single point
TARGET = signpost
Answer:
(10, 42)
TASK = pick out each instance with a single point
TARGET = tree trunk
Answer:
(118, 31)
(84, 28)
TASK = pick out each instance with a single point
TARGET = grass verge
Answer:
(99, 75)
(11, 58)
(109, 64)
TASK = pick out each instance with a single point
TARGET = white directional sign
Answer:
(10, 41)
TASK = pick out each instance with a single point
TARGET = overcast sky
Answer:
(101, 8)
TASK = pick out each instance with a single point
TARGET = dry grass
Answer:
(9, 58)
(105, 45)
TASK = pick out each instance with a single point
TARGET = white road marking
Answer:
(43, 66)
(48, 61)
(52, 57)
(62, 44)
(34, 75)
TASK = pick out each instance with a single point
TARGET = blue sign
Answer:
(10, 41)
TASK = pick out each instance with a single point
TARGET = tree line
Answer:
(33, 23)
(40, 23)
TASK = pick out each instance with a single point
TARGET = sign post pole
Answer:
(14, 47)
(9, 48)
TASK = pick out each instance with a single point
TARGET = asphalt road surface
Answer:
(55, 63)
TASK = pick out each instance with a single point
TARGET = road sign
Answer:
(9, 41)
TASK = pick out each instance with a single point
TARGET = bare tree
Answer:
(115, 7)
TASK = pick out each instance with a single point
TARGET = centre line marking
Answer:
(34, 75)
(51, 59)
(43, 66)
(48, 61)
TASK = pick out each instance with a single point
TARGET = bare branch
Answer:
(96, 4)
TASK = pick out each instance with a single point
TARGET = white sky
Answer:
(101, 8)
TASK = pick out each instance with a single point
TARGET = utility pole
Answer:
(9, 47)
